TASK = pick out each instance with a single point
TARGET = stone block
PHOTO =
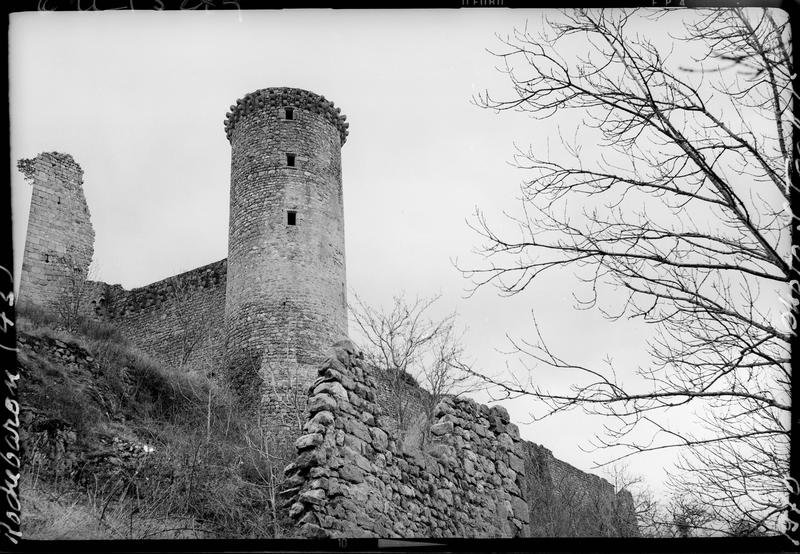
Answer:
(442, 451)
(516, 463)
(323, 418)
(332, 367)
(351, 473)
(445, 495)
(358, 429)
(318, 472)
(336, 488)
(505, 440)
(442, 428)
(355, 443)
(313, 531)
(380, 440)
(314, 496)
(332, 388)
(336, 462)
(353, 457)
(305, 442)
(296, 509)
(321, 402)
(520, 509)
(469, 467)
(308, 459)
(347, 346)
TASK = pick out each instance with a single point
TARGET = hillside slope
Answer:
(116, 445)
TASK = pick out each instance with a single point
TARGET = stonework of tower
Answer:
(60, 241)
(286, 299)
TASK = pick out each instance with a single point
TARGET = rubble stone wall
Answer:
(351, 478)
(179, 319)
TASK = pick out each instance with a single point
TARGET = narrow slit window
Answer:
(290, 160)
(291, 217)
(289, 113)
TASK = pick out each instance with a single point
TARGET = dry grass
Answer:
(209, 475)
(53, 512)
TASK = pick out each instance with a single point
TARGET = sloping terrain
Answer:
(116, 445)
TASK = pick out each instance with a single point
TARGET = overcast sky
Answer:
(139, 99)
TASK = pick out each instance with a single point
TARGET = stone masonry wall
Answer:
(60, 241)
(286, 293)
(352, 479)
(567, 502)
(179, 319)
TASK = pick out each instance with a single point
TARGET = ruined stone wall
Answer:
(60, 241)
(179, 320)
(286, 293)
(352, 479)
(567, 502)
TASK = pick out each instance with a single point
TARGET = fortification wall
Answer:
(567, 502)
(60, 240)
(352, 479)
(179, 319)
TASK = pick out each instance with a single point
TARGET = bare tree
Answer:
(269, 455)
(681, 213)
(569, 506)
(286, 397)
(72, 303)
(689, 517)
(412, 348)
(192, 331)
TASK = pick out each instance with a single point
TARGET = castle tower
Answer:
(60, 241)
(286, 295)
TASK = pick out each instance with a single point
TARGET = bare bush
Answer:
(71, 304)
(193, 331)
(412, 349)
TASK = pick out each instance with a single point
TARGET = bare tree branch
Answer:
(682, 213)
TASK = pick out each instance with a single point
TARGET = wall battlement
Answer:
(179, 320)
(150, 297)
(280, 97)
(286, 298)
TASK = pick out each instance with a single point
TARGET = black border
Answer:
(8, 358)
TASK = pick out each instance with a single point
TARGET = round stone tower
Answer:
(286, 294)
